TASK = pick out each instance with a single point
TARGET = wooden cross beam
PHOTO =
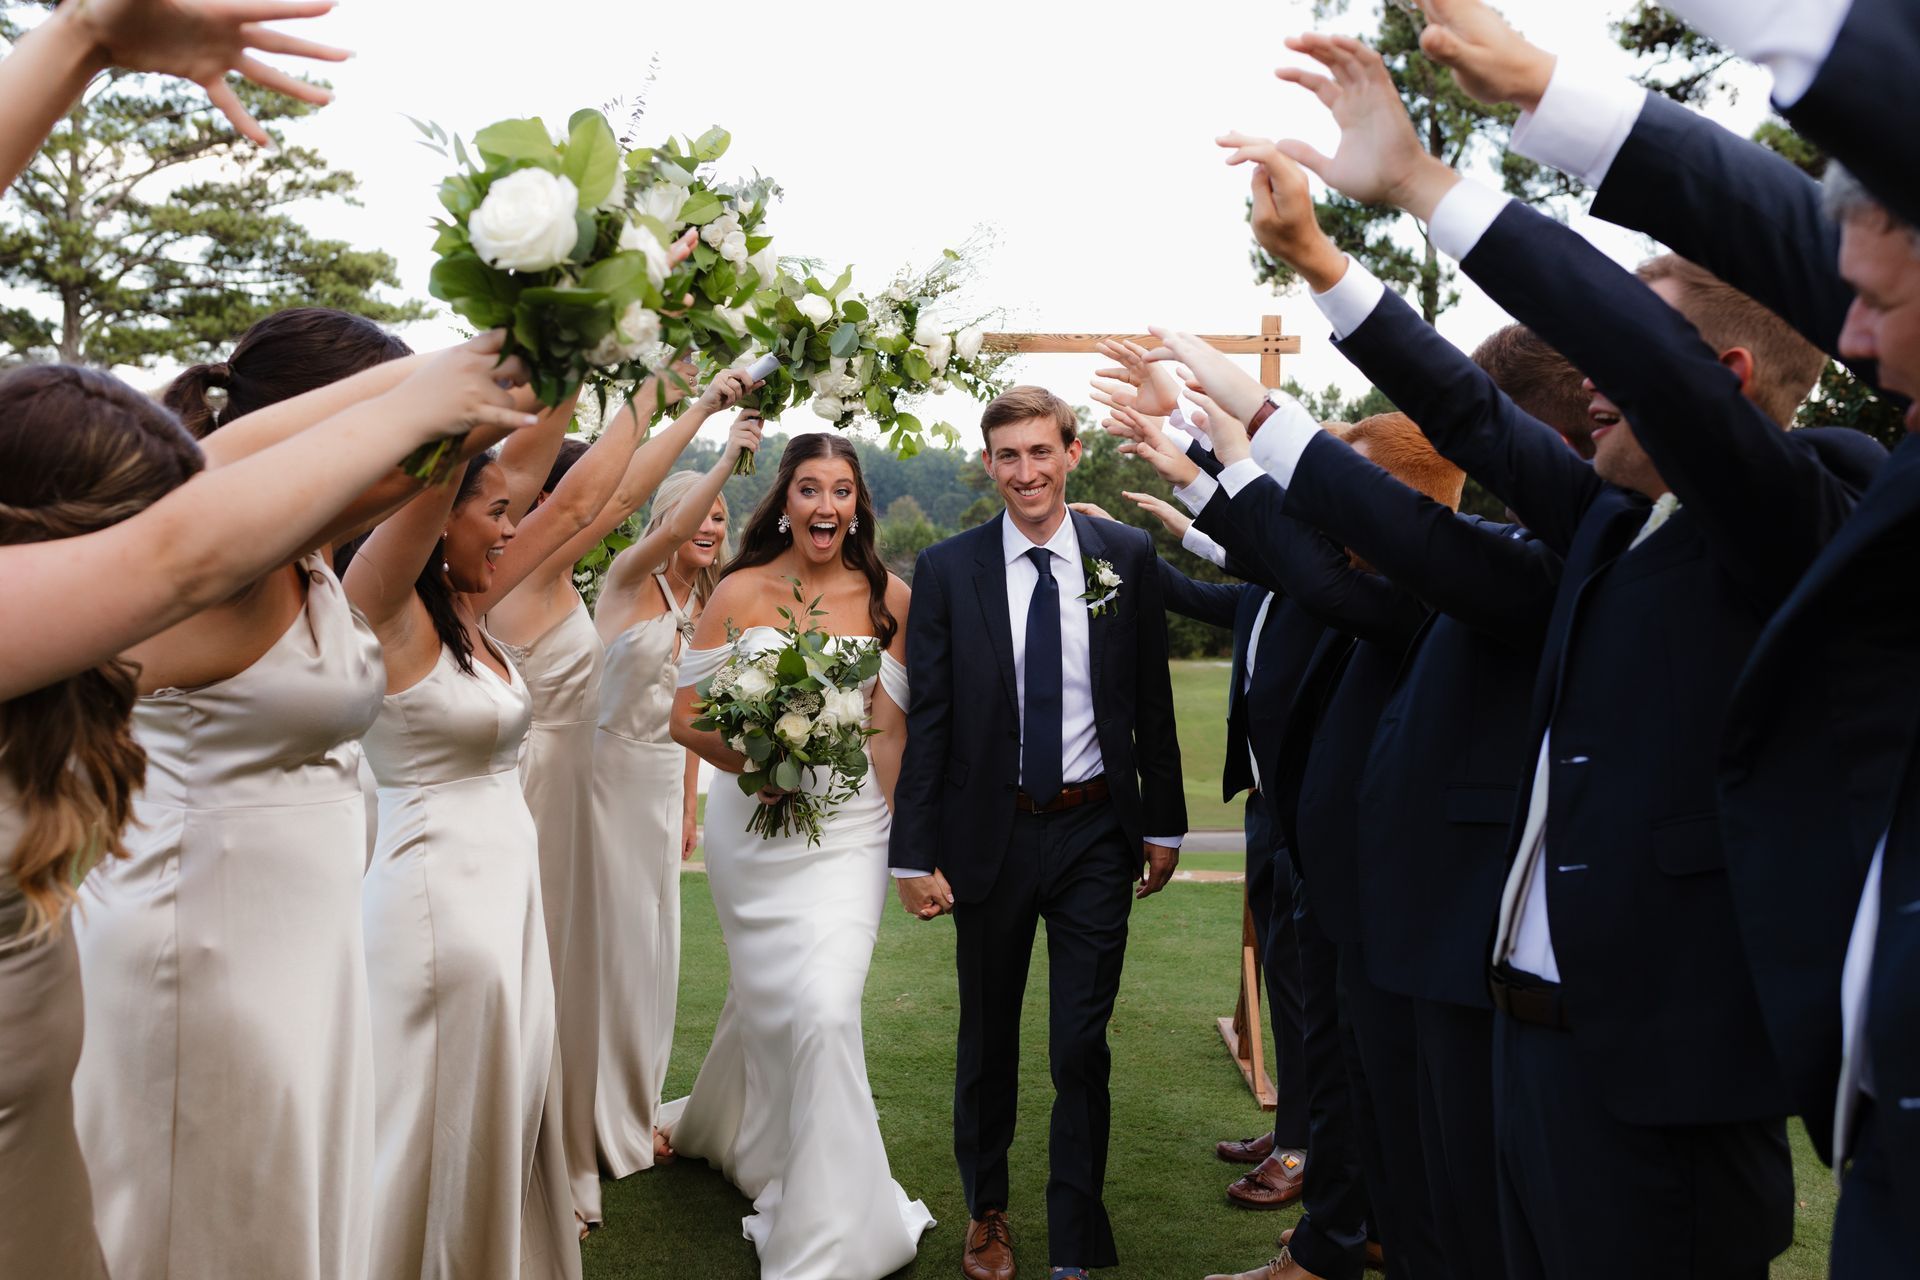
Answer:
(1269, 344)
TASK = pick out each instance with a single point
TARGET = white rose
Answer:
(526, 223)
(738, 742)
(664, 201)
(939, 386)
(829, 408)
(816, 309)
(639, 327)
(844, 707)
(824, 383)
(896, 293)
(967, 343)
(767, 264)
(753, 683)
(719, 229)
(1106, 576)
(735, 318)
(734, 248)
(676, 175)
(927, 332)
(939, 351)
(793, 728)
(636, 238)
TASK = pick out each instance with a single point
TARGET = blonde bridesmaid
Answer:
(546, 629)
(644, 797)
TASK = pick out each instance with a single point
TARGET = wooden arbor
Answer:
(1241, 1032)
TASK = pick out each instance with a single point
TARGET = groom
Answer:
(1041, 781)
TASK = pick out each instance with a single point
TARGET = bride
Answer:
(781, 1104)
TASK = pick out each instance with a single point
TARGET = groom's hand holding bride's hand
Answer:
(1157, 864)
(927, 897)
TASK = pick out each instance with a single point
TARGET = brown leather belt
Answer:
(1072, 796)
(1525, 998)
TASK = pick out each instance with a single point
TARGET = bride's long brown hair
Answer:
(761, 542)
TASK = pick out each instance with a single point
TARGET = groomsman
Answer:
(1820, 736)
(1041, 781)
(1637, 1083)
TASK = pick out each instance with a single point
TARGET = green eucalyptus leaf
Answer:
(701, 208)
(853, 309)
(593, 157)
(917, 367)
(845, 341)
(711, 145)
(519, 140)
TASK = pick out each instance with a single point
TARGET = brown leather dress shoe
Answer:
(989, 1252)
(1275, 1181)
(1245, 1150)
(1282, 1267)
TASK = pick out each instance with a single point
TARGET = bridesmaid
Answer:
(94, 476)
(544, 626)
(644, 793)
(470, 1166)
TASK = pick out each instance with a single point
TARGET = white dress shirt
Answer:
(1582, 121)
(1791, 38)
(1277, 447)
(1246, 678)
(1855, 1080)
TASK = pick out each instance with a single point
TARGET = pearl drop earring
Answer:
(853, 526)
(785, 524)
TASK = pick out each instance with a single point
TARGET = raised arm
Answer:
(197, 40)
(224, 528)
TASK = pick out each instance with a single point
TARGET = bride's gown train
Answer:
(781, 1105)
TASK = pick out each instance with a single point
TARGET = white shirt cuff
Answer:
(1204, 547)
(1351, 299)
(1583, 120)
(1198, 493)
(1193, 427)
(1238, 476)
(1282, 438)
(901, 873)
(1167, 842)
(1791, 38)
(1463, 216)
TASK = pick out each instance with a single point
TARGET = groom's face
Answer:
(1029, 465)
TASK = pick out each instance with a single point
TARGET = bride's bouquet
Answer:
(798, 713)
(566, 244)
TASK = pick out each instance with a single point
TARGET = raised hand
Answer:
(1237, 391)
(725, 391)
(1143, 440)
(1231, 442)
(1157, 863)
(1156, 388)
(745, 435)
(1171, 518)
(204, 40)
(1488, 58)
(461, 389)
(1093, 510)
(1379, 161)
(1283, 218)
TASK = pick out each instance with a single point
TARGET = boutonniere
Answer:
(1103, 586)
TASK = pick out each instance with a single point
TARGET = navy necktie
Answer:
(1040, 731)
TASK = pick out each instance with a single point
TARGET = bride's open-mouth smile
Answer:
(823, 532)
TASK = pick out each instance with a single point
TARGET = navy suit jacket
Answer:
(1825, 714)
(954, 803)
(1640, 658)
(1436, 793)
(1862, 94)
(1331, 720)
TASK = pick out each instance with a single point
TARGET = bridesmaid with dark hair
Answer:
(470, 1170)
(225, 1097)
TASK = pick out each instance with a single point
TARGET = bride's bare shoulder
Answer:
(743, 599)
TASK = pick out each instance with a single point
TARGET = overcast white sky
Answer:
(1081, 138)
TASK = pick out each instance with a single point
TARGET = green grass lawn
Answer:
(1174, 1093)
(1200, 698)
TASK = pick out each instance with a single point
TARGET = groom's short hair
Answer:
(1018, 404)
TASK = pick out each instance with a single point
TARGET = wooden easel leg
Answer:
(1242, 1031)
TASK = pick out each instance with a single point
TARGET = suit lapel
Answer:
(1094, 547)
(990, 585)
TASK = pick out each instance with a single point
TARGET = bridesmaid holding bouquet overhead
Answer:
(644, 796)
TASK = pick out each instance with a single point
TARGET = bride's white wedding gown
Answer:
(782, 1105)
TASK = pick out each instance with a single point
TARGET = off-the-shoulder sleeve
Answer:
(697, 664)
(893, 678)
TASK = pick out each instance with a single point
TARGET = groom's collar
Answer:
(1014, 544)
